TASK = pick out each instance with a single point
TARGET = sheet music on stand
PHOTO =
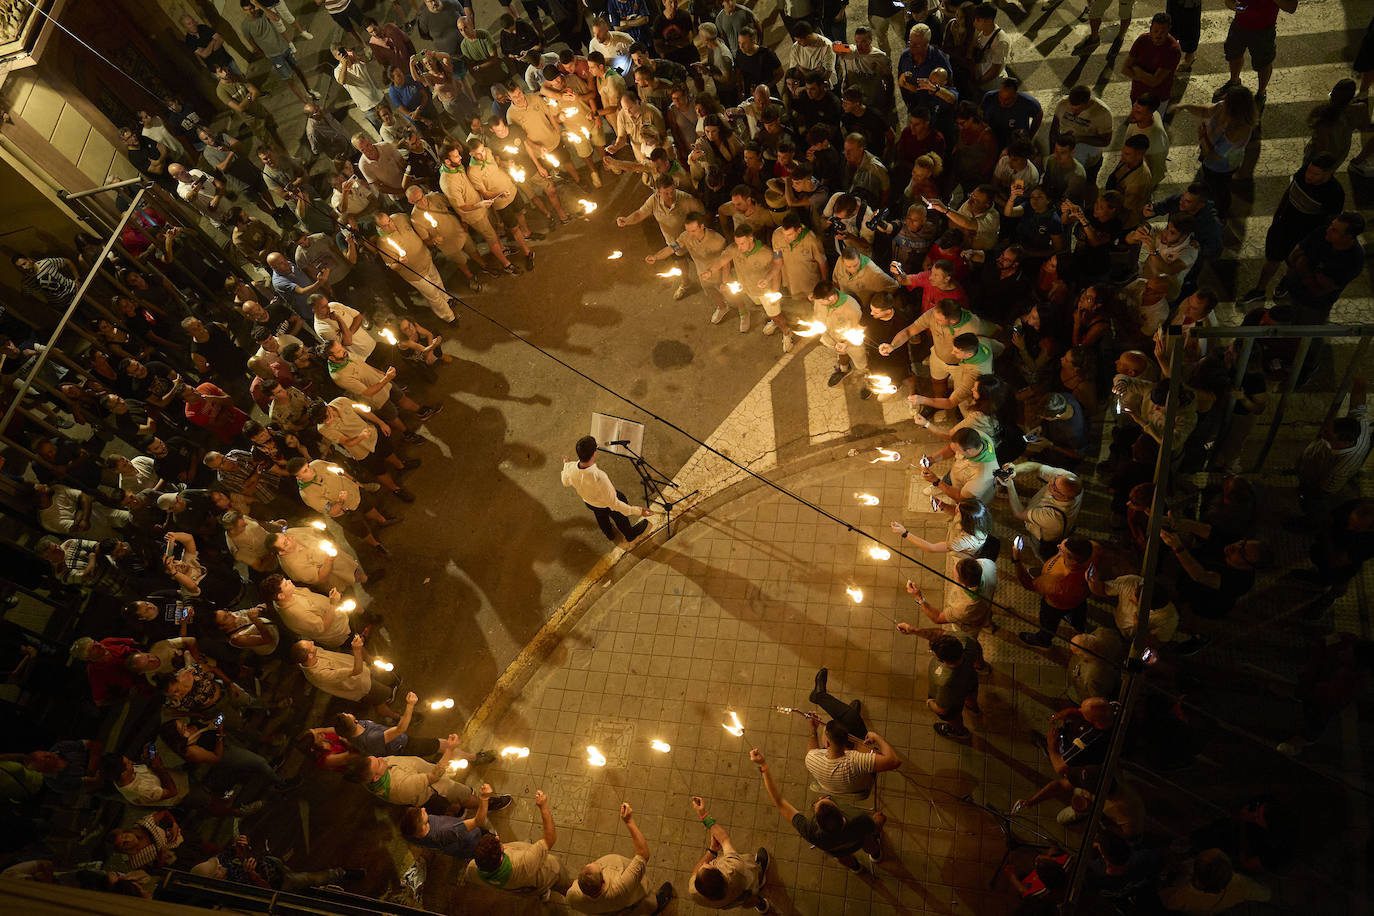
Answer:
(606, 429)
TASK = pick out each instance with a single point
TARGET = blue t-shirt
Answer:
(407, 95)
(1037, 230)
(934, 58)
(286, 285)
(373, 743)
(1023, 112)
(1070, 433)
(449, 836)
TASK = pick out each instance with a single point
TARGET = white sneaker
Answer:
(306, 35)
(787, 340)
(744, 323)
(770, 327)
(596, 179)
(1067, 815)
(292, 46)
(680, 292)
(719, 315)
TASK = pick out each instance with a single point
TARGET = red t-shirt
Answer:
(1153, 57)
(1258, 14)
(932, 294)
(224, 420)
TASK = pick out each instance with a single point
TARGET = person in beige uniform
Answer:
(470, 206)
(968, 602)
(330, 490)
(745, 205)
(799, 261)
(539, 118)
(359, 432)
(943, 323)
(841, 315)
(516, 867)
(347, 676)
(752, 262)
(669, 208)
(372, 386)
(496, 184)
(406, 253)
(433, 220)
(703, 246)
(974, 357)
(615, 884)
(856, 274)
(413, 781)
(303, 558)
(582, 130)
(308, 614)
(724, 878)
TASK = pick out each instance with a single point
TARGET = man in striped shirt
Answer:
(50, 279)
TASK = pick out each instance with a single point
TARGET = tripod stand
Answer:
(654, 481)
(1008, 833)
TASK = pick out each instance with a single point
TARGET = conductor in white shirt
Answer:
(606, 502)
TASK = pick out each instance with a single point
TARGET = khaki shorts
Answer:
(939, 369)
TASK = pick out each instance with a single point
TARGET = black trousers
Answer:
(605, 516)
(1050, 617)
(842, 712)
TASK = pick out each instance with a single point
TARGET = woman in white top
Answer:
(967, 532)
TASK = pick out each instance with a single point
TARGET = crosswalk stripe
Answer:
(827, 409)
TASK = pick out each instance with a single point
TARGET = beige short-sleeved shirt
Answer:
(751, 267)
(536, 119)
(742, 876)
(409, 783)
(304, 564)
(304, 615)
(942, 336)
(404, 234)
(347, 425)
(362, 345)
(801, 261)
(388, 168)
(971, 609)
(864, 281)
(532, 866)
(705, 252)
(333, 673)
(671, 219)
(146, 789)
(847, 775)
(250, 547)
(626, 884)
(356, 376)
(973, 478)
(338, 489)
(445, 223)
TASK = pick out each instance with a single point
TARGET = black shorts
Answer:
(510, 214)
(350, 17)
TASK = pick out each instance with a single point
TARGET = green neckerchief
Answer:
(981, 355)
(335, 367)
(753, 251)
(964, 316)
(451, 171)
(800, 235)
(840, 300)
(987, 454)
(499, 875)
(864, 261)
(302, 484)
(381, 787)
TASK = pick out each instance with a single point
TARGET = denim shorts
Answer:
(284, 64)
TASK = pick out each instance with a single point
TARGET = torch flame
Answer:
(572, 137)
(389, 336)
(517, 173)
(615, 255)
(519, 753)
(772, 297)
(880, 553)
(810, 328)
(855, 593)
(887, 454)
(734, 287)
(735, 727)
(570, 111)
(400, 252)
(363, 407)
(595, 757)
(334, 468)
(882, 384)
(460, 764)
(318, 524)
(853, 336)
(662, 747)
(868, 499)
(587, 206)
(586, 133)
(511, 149)
(329, 548)
(671, 272)
(384, 666)
(429, 218)
(348, 605)
(551, 159)
(446, 703)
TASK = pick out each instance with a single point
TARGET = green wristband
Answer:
(709, 821)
